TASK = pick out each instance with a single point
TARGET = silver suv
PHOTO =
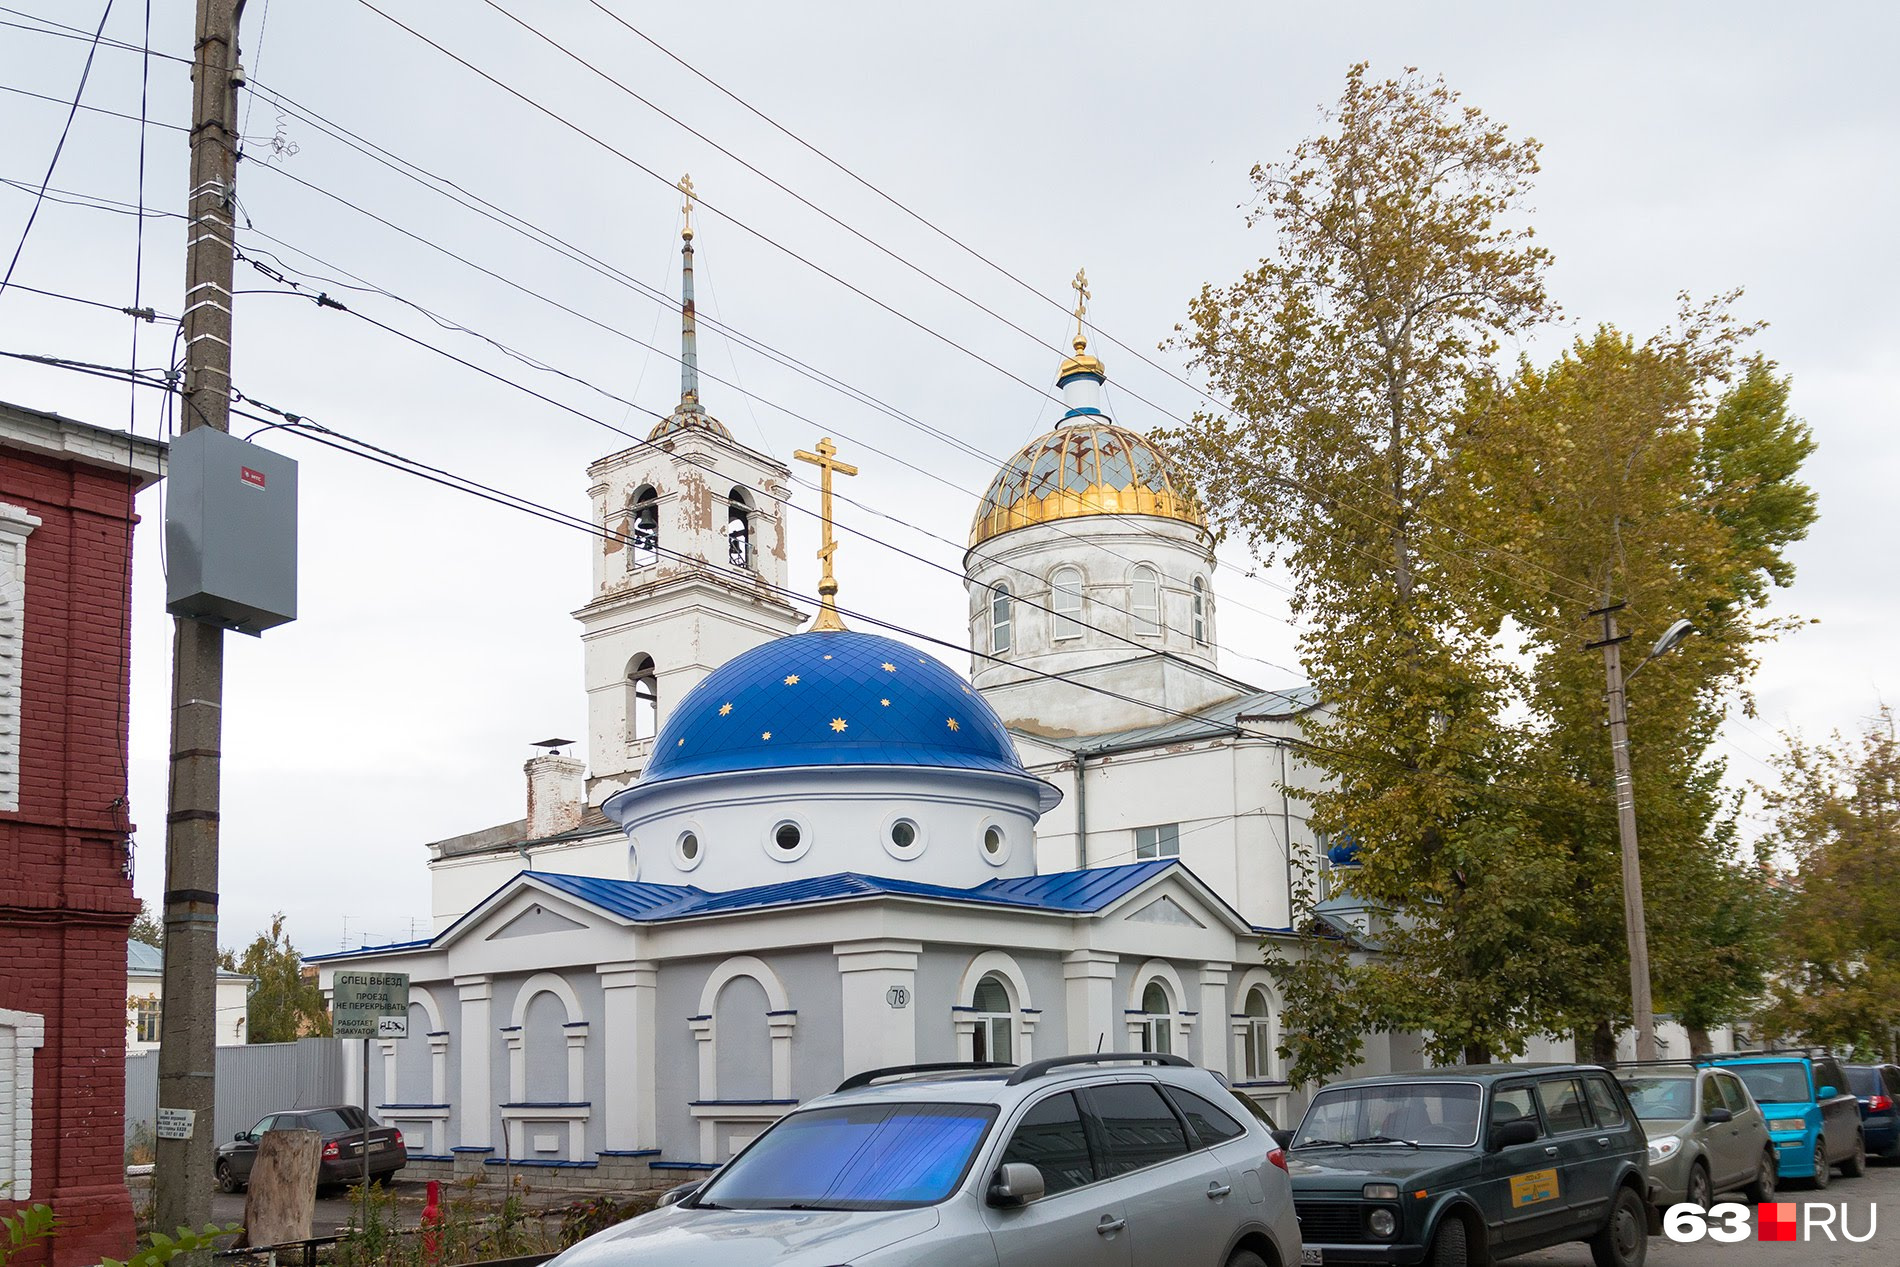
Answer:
(1130, 1159)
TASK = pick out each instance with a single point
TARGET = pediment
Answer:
(1164, 910)
(536, 920)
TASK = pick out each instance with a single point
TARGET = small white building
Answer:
(794, 856)
(145, 1000)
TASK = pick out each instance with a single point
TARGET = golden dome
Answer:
(1080, 363)
(1089, 466)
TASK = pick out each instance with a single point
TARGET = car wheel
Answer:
(227, 1182)
(1701, 1194)
(1246, 1258)
(1823, 1173)
(1856, 1166)
(1624, 1240)
(1452, 1246)
(1762, 1190)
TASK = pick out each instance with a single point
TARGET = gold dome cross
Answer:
(826, 462)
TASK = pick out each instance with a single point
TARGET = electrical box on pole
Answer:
(231, 533)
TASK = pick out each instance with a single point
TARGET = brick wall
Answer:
(65, 899)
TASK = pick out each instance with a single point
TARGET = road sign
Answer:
(176, 1123)
(392, 1027)
(362, 1001)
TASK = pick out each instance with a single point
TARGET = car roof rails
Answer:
(1813, 1053)
(1621, 1065)
(1037, 1068)
(869, 1076)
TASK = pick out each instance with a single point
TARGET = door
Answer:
(1586, 1163)
(1751, 1128)
(1078, 1222)
(1180, 1203)
(1722, 1140)
(1840, 1113)
(245, 1154)
(1522, 1192)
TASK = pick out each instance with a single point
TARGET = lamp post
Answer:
(1635, 924)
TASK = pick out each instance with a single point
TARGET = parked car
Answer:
(1877, 1087)
(1706, 1133)
(1139, 1160)
(1469, 1165)
(1812, 1115)
(341, 1126)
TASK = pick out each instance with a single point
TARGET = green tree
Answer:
(1401, 263)
(147, 927)
(1663, 475)
(283, 1004)
(1837, 811)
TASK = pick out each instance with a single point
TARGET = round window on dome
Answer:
(903, 837)
(689, 849)
(995, 844)
(787, 836)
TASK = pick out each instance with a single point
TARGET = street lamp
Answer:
(1634, 923)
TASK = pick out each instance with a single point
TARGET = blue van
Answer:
(1813, 1117)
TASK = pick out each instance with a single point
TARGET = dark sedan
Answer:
(341, 1126)
(1877, 1087)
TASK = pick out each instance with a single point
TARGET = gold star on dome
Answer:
(837, 724)
(766, 735)
(953, 724)
(725, 710)
(791, 679)
(827, 657)
(885, 702)
(680, 744)
(888, 667)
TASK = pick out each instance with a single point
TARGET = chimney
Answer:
(557, 793)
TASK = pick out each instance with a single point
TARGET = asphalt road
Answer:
(1879, 1187)
(333, 1212)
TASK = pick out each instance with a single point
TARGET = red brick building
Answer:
(66, 522)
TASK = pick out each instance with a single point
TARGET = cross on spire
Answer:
(685, 186)
(826, 462)
(1081, 285)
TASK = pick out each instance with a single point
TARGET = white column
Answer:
(475, 1103)
(630, 1110)
(1089, 978)
(439, 1091)
(702, 1027)
(517, 1040)
(880, 1003)
(781, 1024)
(1214, 1012)
(389, 1095)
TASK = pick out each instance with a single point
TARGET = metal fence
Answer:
(253, 1080)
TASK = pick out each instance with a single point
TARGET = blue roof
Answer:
(1062, 893)
(1065, 892)
(830, 699)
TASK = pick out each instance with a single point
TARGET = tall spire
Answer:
(689, 318)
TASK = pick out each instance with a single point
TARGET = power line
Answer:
(58, 149)
(116, 114)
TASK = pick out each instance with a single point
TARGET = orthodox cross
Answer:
(685, 187)
(1081, 284)
(826, 462)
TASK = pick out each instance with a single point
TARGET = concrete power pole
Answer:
(1635, 923)
(188, 1035)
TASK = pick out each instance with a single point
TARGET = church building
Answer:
(796, 851)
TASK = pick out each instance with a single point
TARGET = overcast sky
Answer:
(1687, 147)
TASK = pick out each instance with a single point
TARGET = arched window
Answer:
(1200, 612)
(1001, 624)
(993, 1017)
(1258, 1039)
(643, 526)
(739, 527)
(1156, 1022)
(1144, 600)
(643, 698)
(1065, 599)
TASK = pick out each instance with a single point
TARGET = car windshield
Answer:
(1864, 1079)
(1425, 1113)
(873, 1156)
(1785, 1082)
(1661, 1099)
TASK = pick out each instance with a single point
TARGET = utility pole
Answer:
(1634, 922)
(187, 1051)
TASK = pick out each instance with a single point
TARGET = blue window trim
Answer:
(549, 1104)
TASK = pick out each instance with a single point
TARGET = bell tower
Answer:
(690, 570)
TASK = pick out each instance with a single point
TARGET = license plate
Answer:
(377, 1145)
(1312, 1258)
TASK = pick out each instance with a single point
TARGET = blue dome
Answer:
(830, 699)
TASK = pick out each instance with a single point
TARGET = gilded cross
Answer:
(826, 462)
(1081, 285)
(685, 187)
